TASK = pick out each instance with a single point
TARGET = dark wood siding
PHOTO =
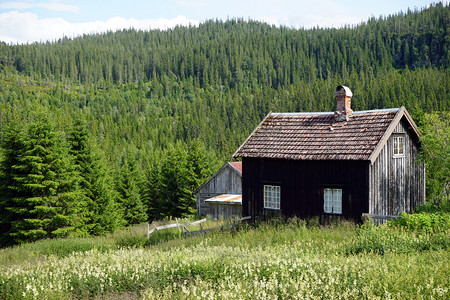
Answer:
(302, 184)
(397, 184)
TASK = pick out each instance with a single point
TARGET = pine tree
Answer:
(45, 198)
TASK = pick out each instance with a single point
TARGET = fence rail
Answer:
(186, 230)
(379, 217)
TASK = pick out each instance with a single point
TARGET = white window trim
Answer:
(332, 201)
(272, 197)
(396, 146)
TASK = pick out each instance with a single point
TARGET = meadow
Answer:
(293, 259)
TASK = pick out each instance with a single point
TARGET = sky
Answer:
(28, 21)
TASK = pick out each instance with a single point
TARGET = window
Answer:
(332, 201)
(399, 146)
(272, 196)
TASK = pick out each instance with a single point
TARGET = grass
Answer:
(40, 250)
(285, 260)
(135, 236)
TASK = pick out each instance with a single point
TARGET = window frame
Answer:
(398, 145)
(274, 202)
(333, 205)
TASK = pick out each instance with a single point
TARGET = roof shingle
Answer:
(316, 136)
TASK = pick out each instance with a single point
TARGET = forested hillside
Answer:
(138, 119)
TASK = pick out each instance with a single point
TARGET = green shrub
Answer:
(423, 222)
(441, 206)
(395, 239)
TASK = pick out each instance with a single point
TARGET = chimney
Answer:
(343, 101)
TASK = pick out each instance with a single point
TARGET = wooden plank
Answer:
(185, 228)
(380, 217)
(243, 219)
(167, 226)
(198, 222)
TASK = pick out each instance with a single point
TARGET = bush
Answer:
(441, 206)
(397, 239)
(423, 222)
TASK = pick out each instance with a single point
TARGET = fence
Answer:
(378, 219)
(190, 232)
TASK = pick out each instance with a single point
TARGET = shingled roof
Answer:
(317, 136)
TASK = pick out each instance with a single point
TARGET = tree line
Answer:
(240, 53)
(57, 185)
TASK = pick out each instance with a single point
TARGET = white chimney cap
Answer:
(348, 92)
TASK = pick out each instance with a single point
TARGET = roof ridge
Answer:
(330, 112)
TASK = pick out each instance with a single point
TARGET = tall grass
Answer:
(40, 250)
(285, 260)
(135, 236)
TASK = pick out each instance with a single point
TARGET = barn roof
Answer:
(317, 136)
(237, 165)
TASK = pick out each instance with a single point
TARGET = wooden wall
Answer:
(302, 184)
(225, 181)
(224, 210)
(397, 184)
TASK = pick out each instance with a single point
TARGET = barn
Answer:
(332, 164)
(226, 181)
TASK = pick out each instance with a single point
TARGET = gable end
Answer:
(401, 114)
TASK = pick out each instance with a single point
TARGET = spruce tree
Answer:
(45, 200)
(198, 164)
(12, 143)
(129, 188)
(104, 214)
(152, 192)
(176, 196)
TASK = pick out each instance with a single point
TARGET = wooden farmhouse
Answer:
(332, 164)
(227, 180)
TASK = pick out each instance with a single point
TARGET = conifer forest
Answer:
(107, 130)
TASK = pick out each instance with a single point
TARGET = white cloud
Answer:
(47, 5)
(17, 27)
(311, 13)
